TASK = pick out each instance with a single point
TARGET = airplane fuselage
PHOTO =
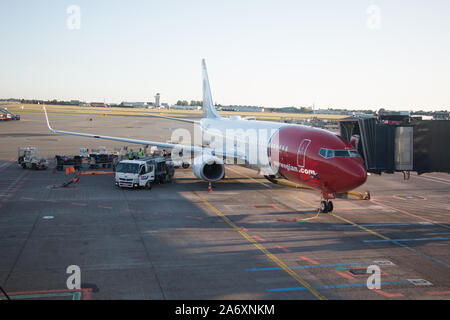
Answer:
(314, 157)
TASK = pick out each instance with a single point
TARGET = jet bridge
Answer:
(389, 145)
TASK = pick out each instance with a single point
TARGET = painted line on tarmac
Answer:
(259, 238)
(194, 218)
(282, 248)
(248, 177)
(260, 247)
(438, 293)
(104, 207)
(388, 295)
(434, 179)
(385, 225)
(376, 233)
(78, 294)
(338, 286)
(390, 240)
(345, 275)
(81, 204)
(309, 260)
(408, 240)
(410, 214)
(317, 266)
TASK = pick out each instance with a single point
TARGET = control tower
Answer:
(157, 101)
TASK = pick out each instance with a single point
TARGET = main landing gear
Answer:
(326, 206)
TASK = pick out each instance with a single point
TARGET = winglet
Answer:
(46, 117)
(209, 111)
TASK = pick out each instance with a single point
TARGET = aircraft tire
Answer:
(323, 207)
(330, 206)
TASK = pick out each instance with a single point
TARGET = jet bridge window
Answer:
(330, 153)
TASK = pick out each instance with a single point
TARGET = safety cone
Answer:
(209, 187)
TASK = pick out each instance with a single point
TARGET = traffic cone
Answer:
(209, 187)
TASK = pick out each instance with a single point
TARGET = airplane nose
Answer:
(352, 175)
(359, 175)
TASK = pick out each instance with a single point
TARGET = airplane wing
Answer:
(143, 142)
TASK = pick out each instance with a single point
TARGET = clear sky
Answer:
(341, 54)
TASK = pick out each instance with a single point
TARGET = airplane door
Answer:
(301, 153)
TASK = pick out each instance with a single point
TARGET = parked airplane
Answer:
(310, 156)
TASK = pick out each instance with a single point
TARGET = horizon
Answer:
(117, 104)
(357, 55)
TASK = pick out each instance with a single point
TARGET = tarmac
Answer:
(247, 239)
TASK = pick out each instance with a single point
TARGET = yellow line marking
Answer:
(280, 263)
(360, 227)
(295, 198)
(330, 213)
(284, 192)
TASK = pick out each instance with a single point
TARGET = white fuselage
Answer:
(242, 139)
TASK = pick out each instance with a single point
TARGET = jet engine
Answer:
(208, 168)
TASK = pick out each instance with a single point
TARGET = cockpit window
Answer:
(323, 152)
(330, 153)
(354, 153)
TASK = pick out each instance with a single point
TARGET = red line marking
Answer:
(285, 220)
(162, 214)
(309, 260)
(284, 249)
(437, 293)
(258, 238)
(345, 275)
(104, 207)
(21, 293)
(196, 218)
(79, 204)
(52, 201)
(389, 295)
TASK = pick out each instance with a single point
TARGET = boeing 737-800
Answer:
(304, 155)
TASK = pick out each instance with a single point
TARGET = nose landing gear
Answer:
(326, 206)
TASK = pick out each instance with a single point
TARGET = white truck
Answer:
(143, 172)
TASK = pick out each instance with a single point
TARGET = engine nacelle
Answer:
(208, 168)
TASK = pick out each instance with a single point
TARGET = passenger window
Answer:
(330, 153)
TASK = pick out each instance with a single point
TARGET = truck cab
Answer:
(28, 158)
(142, 173)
